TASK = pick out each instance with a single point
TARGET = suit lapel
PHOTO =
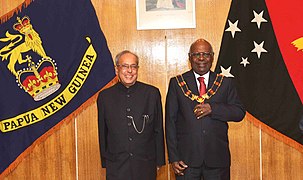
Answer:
(211, 80)
(212, 77)
(190, 80)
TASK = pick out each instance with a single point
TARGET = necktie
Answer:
(202, 89)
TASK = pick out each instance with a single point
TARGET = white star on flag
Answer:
(233, 28)
(258, 19)
(244, 61)
(259, 48)
(226, 72)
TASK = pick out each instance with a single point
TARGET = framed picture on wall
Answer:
(165, 14)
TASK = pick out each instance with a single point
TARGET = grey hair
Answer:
(119, 55)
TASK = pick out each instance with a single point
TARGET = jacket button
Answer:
(129, 124)
(128, 109)
(130, 139)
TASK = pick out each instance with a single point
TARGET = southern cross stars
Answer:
(258, 18)
(233, 28)
(244, 61)
(259, 48)
(226, 72)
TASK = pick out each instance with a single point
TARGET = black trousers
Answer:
(205, 173)
(127, 168)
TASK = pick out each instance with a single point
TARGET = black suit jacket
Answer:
(121, 147)
(205, 140)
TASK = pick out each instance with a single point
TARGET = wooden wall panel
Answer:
(6, 5)
(73, 151)
(53, 159)
(245, 151)
(280, 161)
(89, 166)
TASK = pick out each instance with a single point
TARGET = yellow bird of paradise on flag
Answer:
(298, 43)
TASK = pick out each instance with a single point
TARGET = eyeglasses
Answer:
(133, 67)
(201, 54)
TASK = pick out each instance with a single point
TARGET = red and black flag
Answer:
(54, 59)
(262, 49)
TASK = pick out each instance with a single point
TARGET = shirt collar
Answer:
(206, 75)
(206, 78)
(128, 90)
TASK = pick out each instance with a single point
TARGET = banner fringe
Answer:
(18, 9)
(272, 132)
(66, 121)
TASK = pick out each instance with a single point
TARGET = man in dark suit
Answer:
(196, 124)
(130, 125)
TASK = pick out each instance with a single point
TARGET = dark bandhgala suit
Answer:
(205, 140)
(131, 131)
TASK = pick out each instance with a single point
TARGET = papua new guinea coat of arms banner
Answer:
(54, 57)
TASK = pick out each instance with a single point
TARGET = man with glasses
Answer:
(130, 124)
(199, 104)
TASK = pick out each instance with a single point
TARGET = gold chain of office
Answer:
(200, 99)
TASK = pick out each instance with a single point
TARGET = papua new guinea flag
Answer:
(54, 57)
(262, 49)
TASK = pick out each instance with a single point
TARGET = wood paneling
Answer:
(52, 159)
(89, 165)
(280, 161)
(245, 151)
(73, 151)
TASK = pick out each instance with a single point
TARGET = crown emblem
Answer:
(22, 24)
(39, 80)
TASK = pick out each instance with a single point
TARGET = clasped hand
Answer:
(202, 110)
(179, 167)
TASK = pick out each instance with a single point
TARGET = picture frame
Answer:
(165, 14)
